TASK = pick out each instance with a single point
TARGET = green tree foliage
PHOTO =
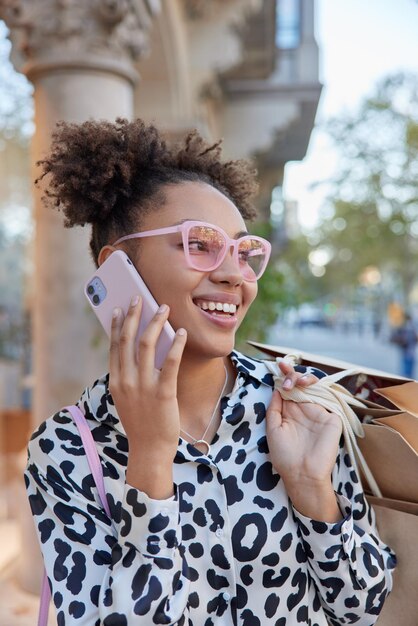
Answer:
(299, 283)
(272, 297)
(374, 195)
(287, 282)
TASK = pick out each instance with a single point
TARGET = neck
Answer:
(199, 384)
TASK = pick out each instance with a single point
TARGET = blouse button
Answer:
(219, 532)
(226, 596)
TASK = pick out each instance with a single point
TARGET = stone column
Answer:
(79, 56)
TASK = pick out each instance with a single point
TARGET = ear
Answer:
(104, 253)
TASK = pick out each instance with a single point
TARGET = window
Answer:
(287, 24)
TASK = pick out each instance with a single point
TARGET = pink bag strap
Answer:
(97, 473)
(91, 453)
(44, 602)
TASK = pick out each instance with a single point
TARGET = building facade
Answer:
(244, 70)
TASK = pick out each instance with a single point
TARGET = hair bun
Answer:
(94, 166)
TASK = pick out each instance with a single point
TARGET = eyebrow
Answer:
(241, 233)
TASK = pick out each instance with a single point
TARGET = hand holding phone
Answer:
(145, 399)
(114, 284)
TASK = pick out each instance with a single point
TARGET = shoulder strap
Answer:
(44, 602)
(97, 473)
(91, 453)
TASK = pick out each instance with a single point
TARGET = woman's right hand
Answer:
(146, 398)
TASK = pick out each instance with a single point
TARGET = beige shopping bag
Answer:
(392, 460)
(399, 530)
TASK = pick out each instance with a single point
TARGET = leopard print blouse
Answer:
(227, 549)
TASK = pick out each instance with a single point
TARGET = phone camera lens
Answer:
(90, 289)
(96, 299)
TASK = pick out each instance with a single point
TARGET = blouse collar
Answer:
(97, 403)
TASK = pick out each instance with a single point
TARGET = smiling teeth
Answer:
(218, 306)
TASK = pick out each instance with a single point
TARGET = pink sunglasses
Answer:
(205, 247)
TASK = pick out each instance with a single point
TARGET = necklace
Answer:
(202, 439)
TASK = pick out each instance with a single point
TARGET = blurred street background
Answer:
(358, 348)
(322, 95)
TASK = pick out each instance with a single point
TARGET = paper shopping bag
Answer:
(399, 530)
(391, 458)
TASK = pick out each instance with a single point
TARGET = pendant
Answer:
(204, 442)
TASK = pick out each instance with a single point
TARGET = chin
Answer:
(212, 349)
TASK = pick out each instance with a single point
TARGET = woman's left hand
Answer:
(303, 441)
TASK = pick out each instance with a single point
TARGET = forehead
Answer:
(195, 201)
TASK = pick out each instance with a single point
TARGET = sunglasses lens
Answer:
(205, 246)
(252, 254)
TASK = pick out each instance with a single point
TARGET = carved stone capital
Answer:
(102, 34)
(203, 9)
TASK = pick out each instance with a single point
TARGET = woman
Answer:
(232, 506)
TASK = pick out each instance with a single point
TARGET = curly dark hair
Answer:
(110, 174)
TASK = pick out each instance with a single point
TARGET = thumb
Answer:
(274, 411)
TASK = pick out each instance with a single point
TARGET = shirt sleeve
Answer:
(350, 564)
(128, 570)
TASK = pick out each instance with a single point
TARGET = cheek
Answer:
(250, 293)
(173, 288)
(164, 275)
(166, 292)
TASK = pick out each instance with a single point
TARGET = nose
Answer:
(228, 271)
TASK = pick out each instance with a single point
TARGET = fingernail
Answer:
(134, 300)
(181, 331)
(287, 383)
(162, 309)
(116, 313)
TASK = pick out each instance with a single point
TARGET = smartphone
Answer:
(114, 284)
